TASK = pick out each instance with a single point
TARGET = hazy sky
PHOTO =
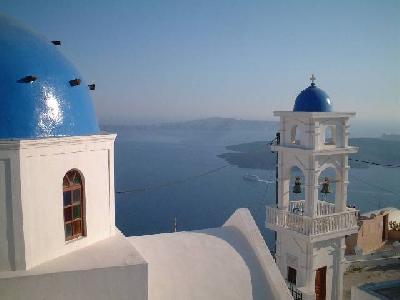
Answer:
(178, 60)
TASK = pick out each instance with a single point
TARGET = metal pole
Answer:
(174, 229)
(278, 141)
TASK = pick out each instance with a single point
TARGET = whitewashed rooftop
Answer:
(230, 262)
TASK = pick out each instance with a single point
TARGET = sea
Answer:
(167, 179)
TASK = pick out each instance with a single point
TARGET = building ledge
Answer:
(11, 144)
(323, 151)
(115, 251)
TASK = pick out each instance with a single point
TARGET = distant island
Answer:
(215, 123)
(391, 137)
(257, 155)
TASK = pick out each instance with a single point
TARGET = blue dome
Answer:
(37, 98)
(313, 99)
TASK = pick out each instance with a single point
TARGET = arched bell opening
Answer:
(327, 182)
(296, 190)
(330, 135)
(295, 135)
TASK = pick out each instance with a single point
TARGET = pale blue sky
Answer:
(179, 60)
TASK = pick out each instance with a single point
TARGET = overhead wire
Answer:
(375, 163)
(375, 186)
(171, 183)
(193, 177)
(366, 182)
(179, 181)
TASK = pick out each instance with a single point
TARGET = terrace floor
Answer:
(370, 274)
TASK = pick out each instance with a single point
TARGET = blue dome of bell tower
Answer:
(313, 99)
(41, 92)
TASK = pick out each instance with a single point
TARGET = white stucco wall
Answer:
(42, 165)
(12, 250)
(324, 253)
(302, 255)
(117, 283)
(292, 253)
(5, 216)
(108, 269)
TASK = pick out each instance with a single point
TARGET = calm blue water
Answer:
(146, 158)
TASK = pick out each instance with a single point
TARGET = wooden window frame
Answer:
(73, 186)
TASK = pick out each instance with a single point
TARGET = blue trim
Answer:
(49, 105)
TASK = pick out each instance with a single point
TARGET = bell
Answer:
(326, 188)
(297, 186)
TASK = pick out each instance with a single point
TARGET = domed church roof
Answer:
(41, 93)
(313, 99)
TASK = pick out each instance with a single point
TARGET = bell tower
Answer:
(311, 232)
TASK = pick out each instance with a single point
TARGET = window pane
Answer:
(67, 214)
(68, 230)
(67, 198)
(77, 227)
(76, 195)
(65, 182)
(77, 211)
(77, 179)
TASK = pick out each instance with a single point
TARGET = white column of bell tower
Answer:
(283, 178)
(311, 188)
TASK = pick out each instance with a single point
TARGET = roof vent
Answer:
(75, 82)
(27, 79)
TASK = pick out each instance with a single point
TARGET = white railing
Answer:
(311, 226)
(297, 207)
(323, 207)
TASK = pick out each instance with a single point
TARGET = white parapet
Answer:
(323, 207)
(320, 226)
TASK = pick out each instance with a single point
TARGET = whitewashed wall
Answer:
(35, 226)
(295, 251)
(117, 283)
(11, 230)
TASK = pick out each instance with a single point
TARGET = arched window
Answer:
(73, 197)
(295, 135)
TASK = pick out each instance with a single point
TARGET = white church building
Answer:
(58, 238)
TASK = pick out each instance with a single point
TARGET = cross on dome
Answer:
(312, 78)
(313, 99)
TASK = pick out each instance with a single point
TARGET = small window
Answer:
(73, 202)
(291, 275)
